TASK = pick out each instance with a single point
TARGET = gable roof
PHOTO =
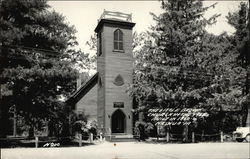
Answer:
(83, 90)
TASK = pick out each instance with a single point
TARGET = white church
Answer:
(103, 97)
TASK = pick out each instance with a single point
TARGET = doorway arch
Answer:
(118, 122)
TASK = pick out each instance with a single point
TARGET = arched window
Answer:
(118, 40)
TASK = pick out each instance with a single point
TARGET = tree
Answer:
(92, 44)
(37, 59)
(240, 40)
(172, 66)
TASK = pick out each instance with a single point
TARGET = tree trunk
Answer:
(15, 124)
(50, 128)
(31, 131)
(4, 120)
(185, 133)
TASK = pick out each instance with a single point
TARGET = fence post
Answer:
(100, 136)
(14, 122)
(202, 135)
(80, 140)
(36, 141)
(221, 136)
(110, 134)
(90, 137)
(167, 136)
(193, 137)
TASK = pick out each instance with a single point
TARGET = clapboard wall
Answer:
(110, 64)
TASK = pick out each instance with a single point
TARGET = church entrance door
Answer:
(118, 122)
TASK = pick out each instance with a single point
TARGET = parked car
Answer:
(241, 134)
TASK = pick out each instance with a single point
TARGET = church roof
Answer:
(113, 22)
(83, 90)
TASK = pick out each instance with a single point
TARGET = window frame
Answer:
(119, 80)
(119, 41)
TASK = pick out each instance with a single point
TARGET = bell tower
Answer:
(115, 67)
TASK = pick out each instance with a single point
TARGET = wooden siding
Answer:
(117, 63)
(88, 104)
(101, 89)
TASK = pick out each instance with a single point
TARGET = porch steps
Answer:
(119, 138)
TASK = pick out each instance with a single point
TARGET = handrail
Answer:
(128, 17)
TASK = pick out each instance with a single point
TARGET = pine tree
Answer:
(241, 44)
(170, 66)
(37, 60)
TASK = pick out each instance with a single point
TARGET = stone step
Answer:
(120, 138)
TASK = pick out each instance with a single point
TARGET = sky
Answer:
(84, 15)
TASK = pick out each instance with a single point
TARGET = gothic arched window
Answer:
(118, 40)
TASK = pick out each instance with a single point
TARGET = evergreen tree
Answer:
(37, 59)
(172, 69)
(241, 44)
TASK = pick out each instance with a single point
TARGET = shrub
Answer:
(142, 129)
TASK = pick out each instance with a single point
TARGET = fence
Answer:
(44, 141)
(79, 139)
(221, 137)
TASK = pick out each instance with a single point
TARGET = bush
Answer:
(142, 129)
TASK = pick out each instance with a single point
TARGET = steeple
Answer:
(115, 68)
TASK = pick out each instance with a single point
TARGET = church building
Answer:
(103, 97)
